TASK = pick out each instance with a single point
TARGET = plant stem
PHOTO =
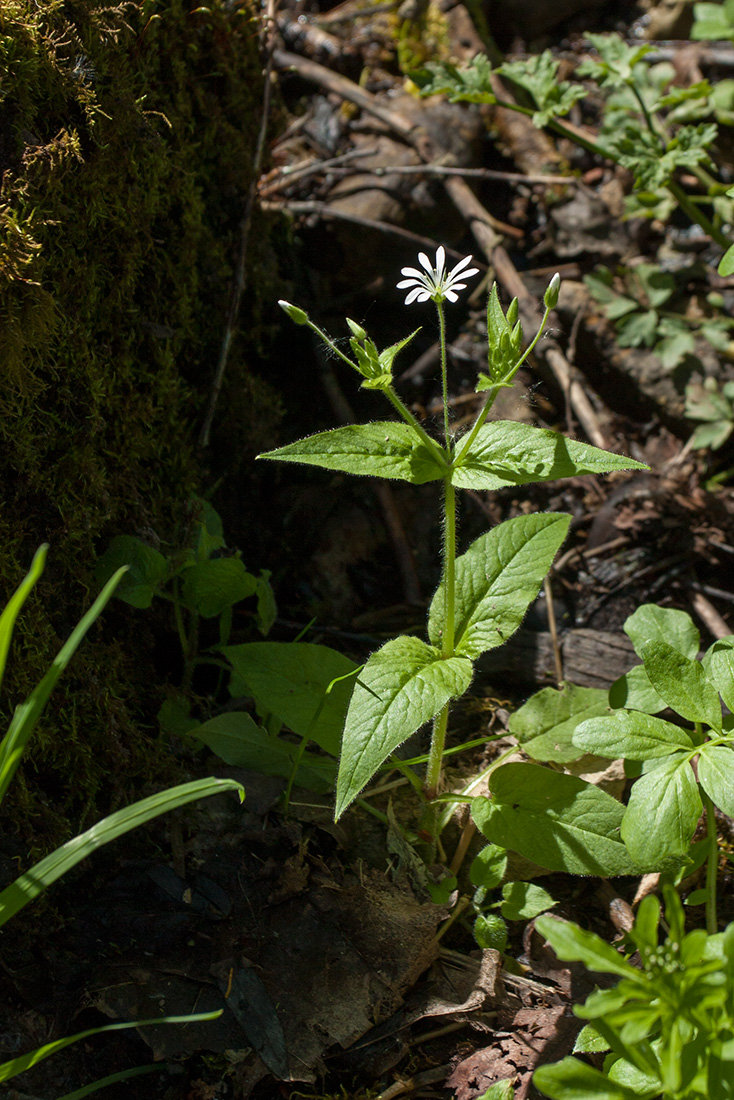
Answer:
(408, 417)
(444, 377)
(712, 864)
(696, 215)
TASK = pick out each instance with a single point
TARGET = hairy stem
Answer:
(444, 377)
(712, 864)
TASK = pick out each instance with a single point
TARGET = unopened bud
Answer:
(550, 298)
(512, 311)
(356, 330)
(299, 316)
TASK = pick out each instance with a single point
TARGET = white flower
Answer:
(435, 284)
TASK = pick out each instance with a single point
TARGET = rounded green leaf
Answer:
(716, 775)
(651, 623)
(555, 820)
(210, 587)
(147, 569)
(630, 735)
(545, 725)
(682, 683)
(662, 813)
(719, 664)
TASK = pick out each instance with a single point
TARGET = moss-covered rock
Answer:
(127, 135)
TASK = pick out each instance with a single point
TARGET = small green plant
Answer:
(34, 881)
(201, 580)
(300, 686)
(669, 1021)
(484, 593)
(714, 407)
(641, 303)
(646, 126)
(679, 770)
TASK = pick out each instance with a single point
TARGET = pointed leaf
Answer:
(236, 738)
(555, 820)
(545, 724)
(682, 683)
(574, 944)
(716, 775)
(292, 680)
(505, 453)
(16, 601)
(571, 1079)
(631, 735)
(662, 813)
(496, 580)
(651, 623)
(403, 685)
(386, 449)
(719, 665)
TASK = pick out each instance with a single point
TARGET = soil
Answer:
(337, 974)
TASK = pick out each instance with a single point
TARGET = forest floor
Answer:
(339, 978)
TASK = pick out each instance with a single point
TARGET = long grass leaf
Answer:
(26, 1061)
(112, 1079)
(27, 714)
(16, 601)
(33, 882)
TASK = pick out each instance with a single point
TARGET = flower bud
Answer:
(512, 311)
(357, 331)
(299, 316)
(551, 295)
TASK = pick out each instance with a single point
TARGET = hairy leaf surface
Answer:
(496, 579)
(386, 449)
(631, 735)
(402, 686)
(506, 453)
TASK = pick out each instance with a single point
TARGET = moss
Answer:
(127, 138)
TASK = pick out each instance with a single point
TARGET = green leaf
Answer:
(589, 1041)
(712, 21)
(209, 532)
(16, 601)
(488, 867)
(662, 813)
(545, 724)
(26, 1061)
(147, 569)
(573, 944)
(26, 715)
(657, 285)
(33, 882)
(651, 623)
(403, 685)
(471, 84)
(712, 435)
(238, 740)
(210, 587)
(385, 449)
(524, 900)
(634, 690)
(726, 264)
(718, 662)
(505, 453)
(496, 580)
(682, 683)
(571, 1079)
(292, 680)
(267, 610)
(631, 735)
(716, 775)
(638, 329)
(555, 820)
(673, 348)
(500, 1090)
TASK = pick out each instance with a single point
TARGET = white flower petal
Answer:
(424, 295)
(425, 262)
(451, 296)
(450, 287)
(408, 282)
(461, 264)
(413, 272)
(440, 262)
(413, 296)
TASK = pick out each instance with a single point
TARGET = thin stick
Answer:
(240, 276)
(553, 630)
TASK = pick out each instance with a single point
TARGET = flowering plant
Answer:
(484, 592)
